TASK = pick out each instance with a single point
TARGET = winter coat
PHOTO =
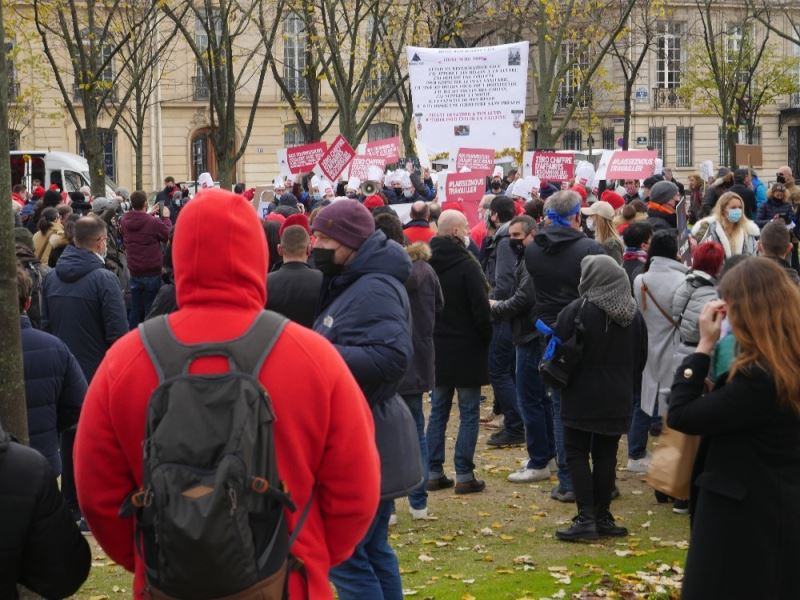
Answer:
(41, 548)
(713, 193)
(598, 395)
(614, 248)
(663, 278)
(770, 209)
(499, 263)
(788, 269)
(418, 230)
(44, 243)
(36, 270)
(745, 485)
(54, 390)
(520, 307)
(323, 427)
(293, 291)
(427, 301)
(554, 262)
(748, 198)
(760, 190)
(463, 329)
(164, 302)
(143, 234)
(745, 241)
(661, 220)
(82, 305)
(692, 295)
(365, 314)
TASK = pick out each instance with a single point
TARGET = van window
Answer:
(73, 181)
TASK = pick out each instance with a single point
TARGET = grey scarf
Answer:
(606, 285)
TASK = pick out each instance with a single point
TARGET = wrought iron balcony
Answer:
(563, 101)
(200, 88)
(794, 100)
(667, 98)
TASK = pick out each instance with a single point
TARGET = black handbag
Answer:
(562, 357)
(398, 446)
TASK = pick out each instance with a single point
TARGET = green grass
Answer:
(500, 544)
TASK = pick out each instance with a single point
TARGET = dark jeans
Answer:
(501, 375)
(418, 499)
(637, 434)
(469, 400)
(593, 486)
(67, 473)
(535, 406)
(564, 478)
(372, 571)
(143, 292)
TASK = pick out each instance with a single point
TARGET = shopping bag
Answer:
(671, 463)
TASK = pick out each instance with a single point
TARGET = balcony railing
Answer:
(78, 97)
(13, 91)
(667, 98)
(200, 88)
(563, 101)
(794, 100)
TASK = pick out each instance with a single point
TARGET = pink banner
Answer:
(466, 189)
(361, 164)
(477, 160)
(553, 166)
(337, 157)
(388, 149)
(631, 164)
(302, 159)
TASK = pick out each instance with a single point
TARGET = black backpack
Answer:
(210, 515)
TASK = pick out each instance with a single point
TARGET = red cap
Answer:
(276, 217)
(298, 219)
(453, 205)
(248, 194)
(613, 198)
(38, 191)
(373, 201)
(54, 187)
(581, 191)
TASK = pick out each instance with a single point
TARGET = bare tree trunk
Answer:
(13, 413)
(626, 132)
(731, 138)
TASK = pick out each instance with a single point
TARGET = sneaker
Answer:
(558, 494)
(503, 439)
(473, 486)
(638, 465)
(418, 514)
(392, 519)
(440, 483)
(662, 498)
(607, 527)
(525, 475)
(680, 507)
(582, 529)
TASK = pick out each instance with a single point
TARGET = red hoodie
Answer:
(324, 435)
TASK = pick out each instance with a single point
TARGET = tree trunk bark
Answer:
(626, 132)
(13, 410)
(732, 138)
(405, 131)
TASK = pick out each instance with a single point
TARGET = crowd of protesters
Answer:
(681, 304)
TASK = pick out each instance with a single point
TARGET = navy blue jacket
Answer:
(54, 390)
(82, 305)
(365, 313)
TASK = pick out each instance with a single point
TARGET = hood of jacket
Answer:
(698, 278)
(554, 239)
(75, 263)
(219, 253)
(417, 252)
(25, 255)
(376, 255)
(448, 253)
(136, 220)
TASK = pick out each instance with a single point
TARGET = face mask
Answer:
(408, 194)
(734, 215)
(317, 196)
(781, 178)
(323, 260)
(590, 224)
(517, 247)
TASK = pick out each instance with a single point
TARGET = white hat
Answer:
(601, 208)
(205, 180)
(397, 177)
(584, 172)
(498, 171)
(374, 173)
(354, 183)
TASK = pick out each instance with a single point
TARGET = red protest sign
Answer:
(388, 149)
(336, 158)
(301, 159)
(553, 166)
(360, 165)
(478, 160)
(631, 164)
(466, 189)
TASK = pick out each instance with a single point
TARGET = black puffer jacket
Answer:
(520, 308)
(40, 546)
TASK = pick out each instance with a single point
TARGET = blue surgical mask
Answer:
(734, 215)
(317, 196)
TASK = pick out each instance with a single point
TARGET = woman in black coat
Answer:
(596, 404)
(746, 478)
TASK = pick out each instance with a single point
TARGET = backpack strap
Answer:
(245, 354)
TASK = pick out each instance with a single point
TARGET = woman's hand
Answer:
(711, 318)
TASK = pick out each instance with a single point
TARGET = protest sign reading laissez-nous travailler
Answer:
(335, 159)
(631, 164)
(469, 97)
(466, 189)
(300, 159)
(553, 166)
(477, 160)
(388, 149)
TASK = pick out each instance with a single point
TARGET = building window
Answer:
(13, 139)
(609, 141)
(669, 54)
(203, 157)
(382, 131)
(684, 139)
(109, 141)
(294, 55)
(658, 140)
(738, 40)
(572, 139)
(571, 83)
(754, 139)
(293, 136)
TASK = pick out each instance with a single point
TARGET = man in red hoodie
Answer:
(143, 234)
(324, 436)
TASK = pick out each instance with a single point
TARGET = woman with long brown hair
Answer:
(746, 478)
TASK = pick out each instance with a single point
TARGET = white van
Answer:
(68, 171)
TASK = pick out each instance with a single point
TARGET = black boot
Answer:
(583, 528)
(607, 527)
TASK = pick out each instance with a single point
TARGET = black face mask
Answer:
(517, 247)
(323, 261)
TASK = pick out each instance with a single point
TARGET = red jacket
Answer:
(417, 232)
(324, 434)
(143, 234)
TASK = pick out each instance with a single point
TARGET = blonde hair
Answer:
(604, 230)
(722, 204)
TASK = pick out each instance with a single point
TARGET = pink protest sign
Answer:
(466, 189)
(631, 164)
(477, 160)
(361, 164)
(553, 166)
(301, 159)
(388, 149)
(337, 157)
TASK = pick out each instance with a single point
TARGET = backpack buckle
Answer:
(259, 485)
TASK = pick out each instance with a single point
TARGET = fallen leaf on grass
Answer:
(425, 558)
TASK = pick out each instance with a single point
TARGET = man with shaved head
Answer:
(461, 340)
(418, 229)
